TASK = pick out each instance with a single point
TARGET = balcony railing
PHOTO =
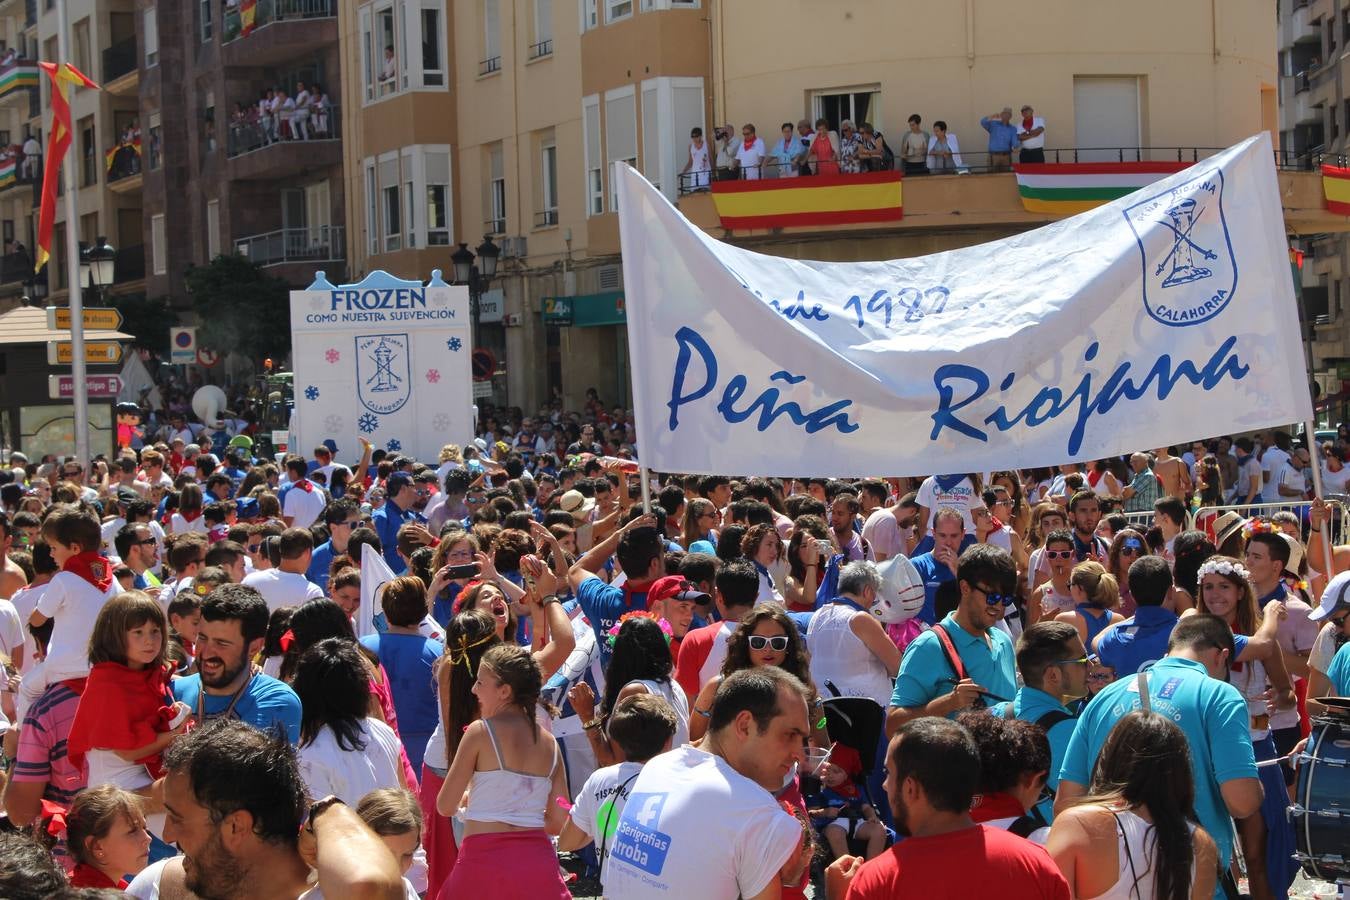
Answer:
(15, 267)
(17, 75)
(545, 218)
(129, 264)
(298, 127)
(490, 65)
(494, 226)
(15, 169)
(124, 160)
(288, 245)
(541, 49)
(268, 11)
(119, 59)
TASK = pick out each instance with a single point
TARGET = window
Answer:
(651, 132)
(492, 38)
(390, 203)
(438, 197)
(89, 228)
(595, 183)
(403, 46)
(212, 229)
(496, 199)
(372, 208)
(543, 29)
(671, 107)
(620, 132)
(88, 152)
(617, 9)
(80, 33)
(156, 142)
(410, 199)
(369, 54)
(389, 58)
(548, 183)
(590, 15)
(858, 105)
(433, 46)
(149, 36)
(648, 5)
(158, 264)
(205, 6)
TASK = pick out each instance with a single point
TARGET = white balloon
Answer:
(901, 595)
(208, 403)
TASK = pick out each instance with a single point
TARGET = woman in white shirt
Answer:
(763, 547)
(342, 750)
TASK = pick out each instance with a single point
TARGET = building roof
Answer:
(28, 325)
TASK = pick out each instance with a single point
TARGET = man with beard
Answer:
(1085, 512)
(932, 768)
(234, 623)
(237, 808)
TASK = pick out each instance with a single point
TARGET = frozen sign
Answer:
(386, 360)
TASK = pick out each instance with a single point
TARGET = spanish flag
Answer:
(248, 17)
(1066, 189)
(1336, 188)
(809, 200)
(63, 76)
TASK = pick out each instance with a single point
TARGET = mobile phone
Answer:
(468, 570)
(823, 548)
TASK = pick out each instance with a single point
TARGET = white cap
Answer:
(1336, 596)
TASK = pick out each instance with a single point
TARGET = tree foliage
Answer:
(240, 308)
(147, 319)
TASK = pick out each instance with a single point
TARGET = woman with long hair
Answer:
(729, 543)
(455, 549)
(1096, 598)
(1225, 590)
(807, 557)
(1127, 546)
(189, 515)
(1136, 836)
(343, 750)
(698, 533)
(1190, 550)
(763, 547)
(513, 771)
(1021, 512)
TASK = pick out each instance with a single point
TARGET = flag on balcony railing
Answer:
(110, 157)
(9, 170)
(817, 200)
(63, 76)
(248, 17)
(1066, 189)
(17, 76)
(1336, 189)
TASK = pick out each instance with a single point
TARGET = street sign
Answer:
(182, 346)
(97, 387)
(95, 318)
(483, 364)
(558, 311)
(96, 353)
(207, 358)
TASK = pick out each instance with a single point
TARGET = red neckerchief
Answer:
(305, 485)
(190, 517)
(142, 706)
(1026, 124)
(92, 566)
(988, 807)
(86, 876)
(996, 522)
(749, 143)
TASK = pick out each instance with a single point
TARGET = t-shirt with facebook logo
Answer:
(695, 827)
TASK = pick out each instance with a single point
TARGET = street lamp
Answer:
(98, 265)
(474, 277)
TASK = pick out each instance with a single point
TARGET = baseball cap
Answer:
(397, 482)
(246, 508)
(242, 441)
(675, 587)
(127, 495)
(1336, 596)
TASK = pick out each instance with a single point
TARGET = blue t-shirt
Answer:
(925, 673)
(319, 561)
(1212, 714)
(1138, 642)
(603, 605)
(1338, 673)
(265, 703)
(933, 574)
(408, 660)
(1030, 705)
(386, 521)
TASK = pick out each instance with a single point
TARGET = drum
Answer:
(1321, 810)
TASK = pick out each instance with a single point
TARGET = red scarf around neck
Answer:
(1026, 124)
(190, 517)
(92, 566)
(749, 143)
(86, 876)
(988, 807)
(305, 485)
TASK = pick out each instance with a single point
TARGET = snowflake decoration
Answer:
(433, 375)
(368, 423)
(333, 423)
(311, 393)
(454, 344)
(332, 355)
(441, 422)
(393, 445)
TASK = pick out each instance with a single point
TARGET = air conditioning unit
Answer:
(511, 320)
(514, 247)
(609, 278)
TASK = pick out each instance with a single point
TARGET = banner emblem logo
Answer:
(1189, 272)
(383, 382)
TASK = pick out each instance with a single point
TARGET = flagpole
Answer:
(79, 385)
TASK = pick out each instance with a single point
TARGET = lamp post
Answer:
(477, 279)
(98, 266)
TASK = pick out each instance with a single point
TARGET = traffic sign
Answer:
(95, 318)
(96, 353)
(483, 363)
(207, 358)
(182, 346)
(97, 387)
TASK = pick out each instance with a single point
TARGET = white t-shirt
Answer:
(1335, 482)
(280, 589)
(1323, 649)
(695, 827)
(751, 159)
(1291, 476)
(328, 471)
(717, 654)
(1249, 470)
(180, 525)
(74, 604)
(351, 774)
(962, 498)
(1033, 143)
(303, 506)
(25, 601)
(1271, 461)
(12, 631)
(110, 529)
(600, 803)
(883, 534)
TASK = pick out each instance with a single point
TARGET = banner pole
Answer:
(1315, 454)
(646, 476)
(79, 384)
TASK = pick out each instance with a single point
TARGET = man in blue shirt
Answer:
(939, 564)
(234, 623)
(1054, 666)
(341, 516)
(1141, 640)
(1002, 139)
(641, 552)
(1189, 687)
(936, 679)
(400, 494)
(1338, 673)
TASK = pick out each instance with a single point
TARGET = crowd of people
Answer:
(855, 147)
(442, 678)
(282, 115)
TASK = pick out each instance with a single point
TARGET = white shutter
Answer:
(492, 29)
(150, 36)
(159, 265)
(651, 133)
(543, 21)
(212, 229)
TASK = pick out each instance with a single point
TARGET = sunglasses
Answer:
(1339, 621)
(1088, 660)
(148, 542)
(759, 642)
(994, 599)
(1059, 554)
(253, 548)
(1131, 548)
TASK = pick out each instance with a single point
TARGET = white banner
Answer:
(385, 359)
(1163, 317)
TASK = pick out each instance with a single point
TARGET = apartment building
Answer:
(19, 107)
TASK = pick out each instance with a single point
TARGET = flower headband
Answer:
(1225, 567)
(638, 614)
(1257, 526)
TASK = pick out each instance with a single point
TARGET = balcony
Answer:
(18, 81)
(490, 66)
(293, 253)
(267, 150)
(14, 174)
(1298, 27)
(279, 31)
(541, 50)
(121, 72)
(15, 267)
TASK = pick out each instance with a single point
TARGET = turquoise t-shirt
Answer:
(925, 673)
(266, 702)
(1030, 705)
(1338, 673)
(1212, 714)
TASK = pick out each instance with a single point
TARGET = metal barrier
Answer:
(1339, 524)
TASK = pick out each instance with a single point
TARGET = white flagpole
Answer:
(79, 385)
(1315, 454)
